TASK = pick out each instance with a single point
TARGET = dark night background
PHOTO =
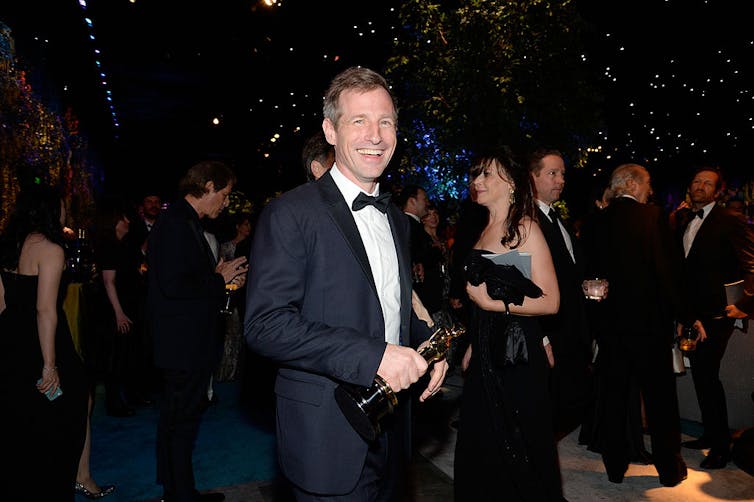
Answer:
(676, 92)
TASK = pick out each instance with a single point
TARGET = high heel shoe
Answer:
(104, 491)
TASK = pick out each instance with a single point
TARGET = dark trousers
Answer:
(184, 393)
(384, 473)
(647, 361)
(705, 372)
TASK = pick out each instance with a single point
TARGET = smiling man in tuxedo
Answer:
(329, 300)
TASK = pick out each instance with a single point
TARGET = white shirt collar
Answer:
(348, 188)
(708, 208)
(413, 216)
(544, 207)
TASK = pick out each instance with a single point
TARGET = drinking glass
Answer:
(230, 288)
(595, 289)
(688, 340)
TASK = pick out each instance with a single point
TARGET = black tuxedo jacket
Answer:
(312, 307)
(569, 325)
(185, 293)
(631, 245)
(722, 252)
(420, 240)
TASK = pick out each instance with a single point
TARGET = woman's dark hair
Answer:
(109, 212)
(37, 211)
(523, 204)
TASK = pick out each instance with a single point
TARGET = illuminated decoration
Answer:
(437, 170)
(238, 203)
(102, 75)
(35, 145)
(678, 99)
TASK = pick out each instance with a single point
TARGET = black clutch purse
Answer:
(509, 284)
(504, 282)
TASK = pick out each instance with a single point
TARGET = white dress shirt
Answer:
(377, 237)
(693, 227)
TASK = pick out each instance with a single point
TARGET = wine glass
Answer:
(230, 288)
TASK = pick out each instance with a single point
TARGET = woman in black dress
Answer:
(506, 448)
(44, 429)
(118, 334)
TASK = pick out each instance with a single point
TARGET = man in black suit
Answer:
(329, 299)
(630, 244)
(185, 294)
(566, 331)
(413, 201)
(719, 249)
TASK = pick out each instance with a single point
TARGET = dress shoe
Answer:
(104, 491)
(716, 459)
(674, 482)
(681, 473)
(212, 497)
(697, 444)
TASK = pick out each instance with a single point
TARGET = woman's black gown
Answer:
(44, 438)
(506, 448)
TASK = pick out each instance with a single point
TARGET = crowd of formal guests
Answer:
(345, 283)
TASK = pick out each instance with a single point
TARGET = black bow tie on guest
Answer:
(380, 202)
(699, 213)
(553, 214)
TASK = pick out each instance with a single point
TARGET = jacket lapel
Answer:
(340, 213)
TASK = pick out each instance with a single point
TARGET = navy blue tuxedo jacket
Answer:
(312, 307)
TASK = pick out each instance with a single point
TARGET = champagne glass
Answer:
(230, 288)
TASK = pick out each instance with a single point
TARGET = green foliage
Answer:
(483, 72)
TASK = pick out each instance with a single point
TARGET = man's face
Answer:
(702, 189)
(420, 203)
(365, 136)
(550, 180)
(152, 206)
(213, 202)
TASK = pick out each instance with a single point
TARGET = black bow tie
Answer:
(699, 213)
(380, 202)
(553, 214)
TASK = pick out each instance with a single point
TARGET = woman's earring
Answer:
(513, 196)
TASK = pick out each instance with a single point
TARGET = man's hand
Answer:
(401, 366)
(437, 377)
(699, 328)
(735, 312)
(233, 269)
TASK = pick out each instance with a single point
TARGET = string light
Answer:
(102, 75)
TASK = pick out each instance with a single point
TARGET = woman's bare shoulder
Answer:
(38, 249)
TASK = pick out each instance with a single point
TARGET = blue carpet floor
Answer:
(236, 445)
